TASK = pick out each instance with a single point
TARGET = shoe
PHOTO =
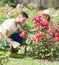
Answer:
(14, 55)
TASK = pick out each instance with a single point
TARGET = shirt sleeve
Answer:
(7, 24)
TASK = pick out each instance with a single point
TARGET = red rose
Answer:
(58, 26)
(56, 39)
(40, 17)
(44, 24)
(22, 34)
(37, 18)
(38, 36)
(33, 38)
(56, 34)
(54, 28)
(36, 24)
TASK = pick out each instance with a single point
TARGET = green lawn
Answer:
(30, 61)
(27, 60)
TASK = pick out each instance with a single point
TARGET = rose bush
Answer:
(45, 42)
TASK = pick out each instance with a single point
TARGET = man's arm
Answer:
(4, 35)
(19, 28)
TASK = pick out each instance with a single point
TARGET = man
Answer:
(8, 27)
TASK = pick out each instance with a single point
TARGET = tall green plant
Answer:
(3, 56)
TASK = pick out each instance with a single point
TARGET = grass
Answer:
(28, 60)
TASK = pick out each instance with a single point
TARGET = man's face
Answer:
(20, 19)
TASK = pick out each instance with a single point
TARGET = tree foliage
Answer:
(12, 3)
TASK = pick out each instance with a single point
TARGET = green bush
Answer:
(3, 55)
(11, 3)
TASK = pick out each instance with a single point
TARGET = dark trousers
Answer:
(16, 37)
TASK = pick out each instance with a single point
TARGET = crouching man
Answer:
(10, 26)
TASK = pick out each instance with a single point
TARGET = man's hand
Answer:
(4, 36)
(16, 46)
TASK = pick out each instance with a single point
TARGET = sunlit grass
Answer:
(30, 61)
(25, 59)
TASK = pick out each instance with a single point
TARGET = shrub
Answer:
(3, 55)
